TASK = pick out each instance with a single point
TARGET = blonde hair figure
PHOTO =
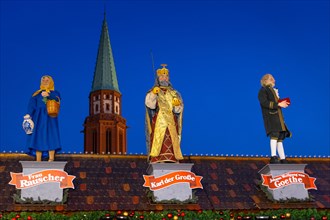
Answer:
(44, 140)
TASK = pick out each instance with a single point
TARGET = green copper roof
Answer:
(105, 76)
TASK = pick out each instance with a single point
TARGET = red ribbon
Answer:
(288, 179)
(156, 183)
(21, 181)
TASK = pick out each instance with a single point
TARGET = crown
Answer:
(163, 71)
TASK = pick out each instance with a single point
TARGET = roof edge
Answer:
(101, 156)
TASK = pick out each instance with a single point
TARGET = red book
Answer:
(285, 99)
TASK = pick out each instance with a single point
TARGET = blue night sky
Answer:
(216, 52)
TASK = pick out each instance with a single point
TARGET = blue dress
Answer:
(46, 135)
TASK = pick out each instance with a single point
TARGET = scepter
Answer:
(153, 65)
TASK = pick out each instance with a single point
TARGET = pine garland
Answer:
(17, 199)
(306, 214)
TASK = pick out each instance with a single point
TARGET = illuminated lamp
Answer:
(121, 217)
(107, 216)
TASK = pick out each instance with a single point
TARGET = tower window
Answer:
(94, 141)
(108, 141)
(121, 141)
(96, 107)
(107, 106)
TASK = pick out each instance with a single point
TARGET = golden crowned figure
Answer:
(164, 109)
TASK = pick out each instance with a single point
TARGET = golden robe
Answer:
(163, 126)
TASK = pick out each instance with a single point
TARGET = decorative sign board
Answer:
(171, 181)
(287, 181)
(21, 181)
(42, 180)
(157, 183)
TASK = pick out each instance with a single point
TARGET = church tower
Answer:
(105, 128)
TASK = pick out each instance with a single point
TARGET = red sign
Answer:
(156, 183)
(45, 176)
(288, 179)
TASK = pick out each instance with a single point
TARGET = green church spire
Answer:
(105, 76)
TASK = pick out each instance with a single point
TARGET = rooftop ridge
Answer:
(139, 156)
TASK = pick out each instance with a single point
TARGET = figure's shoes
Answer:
(274, 160)
(284, 161)
(50, 160)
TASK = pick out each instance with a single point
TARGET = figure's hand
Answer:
(45, 94)
(156, 90)
(283, 104)
(176, 102)
(27, 116)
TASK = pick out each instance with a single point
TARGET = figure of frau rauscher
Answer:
(273, 118)
(44, 140)
(164, 108)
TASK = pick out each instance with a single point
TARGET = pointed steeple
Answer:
(105, 76)
(105, 127)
